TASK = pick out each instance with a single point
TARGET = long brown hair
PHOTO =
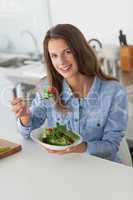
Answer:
(84, 55)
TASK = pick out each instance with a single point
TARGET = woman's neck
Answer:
(80, 85)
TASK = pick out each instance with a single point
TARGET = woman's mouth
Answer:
(66, 68)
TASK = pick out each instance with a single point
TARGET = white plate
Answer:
(35, 137)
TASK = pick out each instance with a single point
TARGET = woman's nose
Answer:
(61, 60)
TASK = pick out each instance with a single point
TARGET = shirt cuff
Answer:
(25, 130)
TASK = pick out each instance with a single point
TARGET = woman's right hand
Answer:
(19, 107)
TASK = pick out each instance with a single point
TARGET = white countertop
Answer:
(29, 74)
(33, 174)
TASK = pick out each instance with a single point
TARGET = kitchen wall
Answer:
(97, 19)
(16, 16)
(101, 19)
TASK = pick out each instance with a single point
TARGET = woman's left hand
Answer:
(80, 148)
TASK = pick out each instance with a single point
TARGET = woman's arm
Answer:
(37, 116)
(114, 128)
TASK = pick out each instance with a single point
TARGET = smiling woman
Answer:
(62, 57)
(87, 102)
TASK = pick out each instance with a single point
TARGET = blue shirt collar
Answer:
(66, 91)
(94, 90)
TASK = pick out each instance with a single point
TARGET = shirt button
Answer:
(80, 107)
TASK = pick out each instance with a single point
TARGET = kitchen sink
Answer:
(8, 60)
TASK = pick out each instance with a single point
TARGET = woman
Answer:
(88, 101)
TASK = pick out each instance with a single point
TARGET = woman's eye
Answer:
(53, 56)
(68, 51)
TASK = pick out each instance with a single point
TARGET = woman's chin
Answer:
(67, 76)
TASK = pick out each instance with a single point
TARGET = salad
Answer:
(58, 135)
(49, 92)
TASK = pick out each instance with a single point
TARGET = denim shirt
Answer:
(100, 117)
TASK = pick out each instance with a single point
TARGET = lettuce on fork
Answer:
(49, 92)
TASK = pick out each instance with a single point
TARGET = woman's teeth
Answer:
(66, 68)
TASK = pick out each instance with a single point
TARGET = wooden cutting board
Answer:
(13, 148)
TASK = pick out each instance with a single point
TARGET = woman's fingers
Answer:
(75, 149)
(19, 113)
(19, 107)
(60, 152)
(16, 100)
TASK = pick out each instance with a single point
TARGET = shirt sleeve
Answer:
(115, 125)
(37, 113)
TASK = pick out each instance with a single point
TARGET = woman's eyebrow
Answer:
(52, 53)
(66, 49)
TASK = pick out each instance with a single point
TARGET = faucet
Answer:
(37, 56)
(97, 46)
(94, 42)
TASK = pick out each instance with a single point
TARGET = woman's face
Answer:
(62, 58)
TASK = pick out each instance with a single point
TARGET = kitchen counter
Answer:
(28, 74)
(34, 174)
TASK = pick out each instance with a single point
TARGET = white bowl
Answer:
(35, 137)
